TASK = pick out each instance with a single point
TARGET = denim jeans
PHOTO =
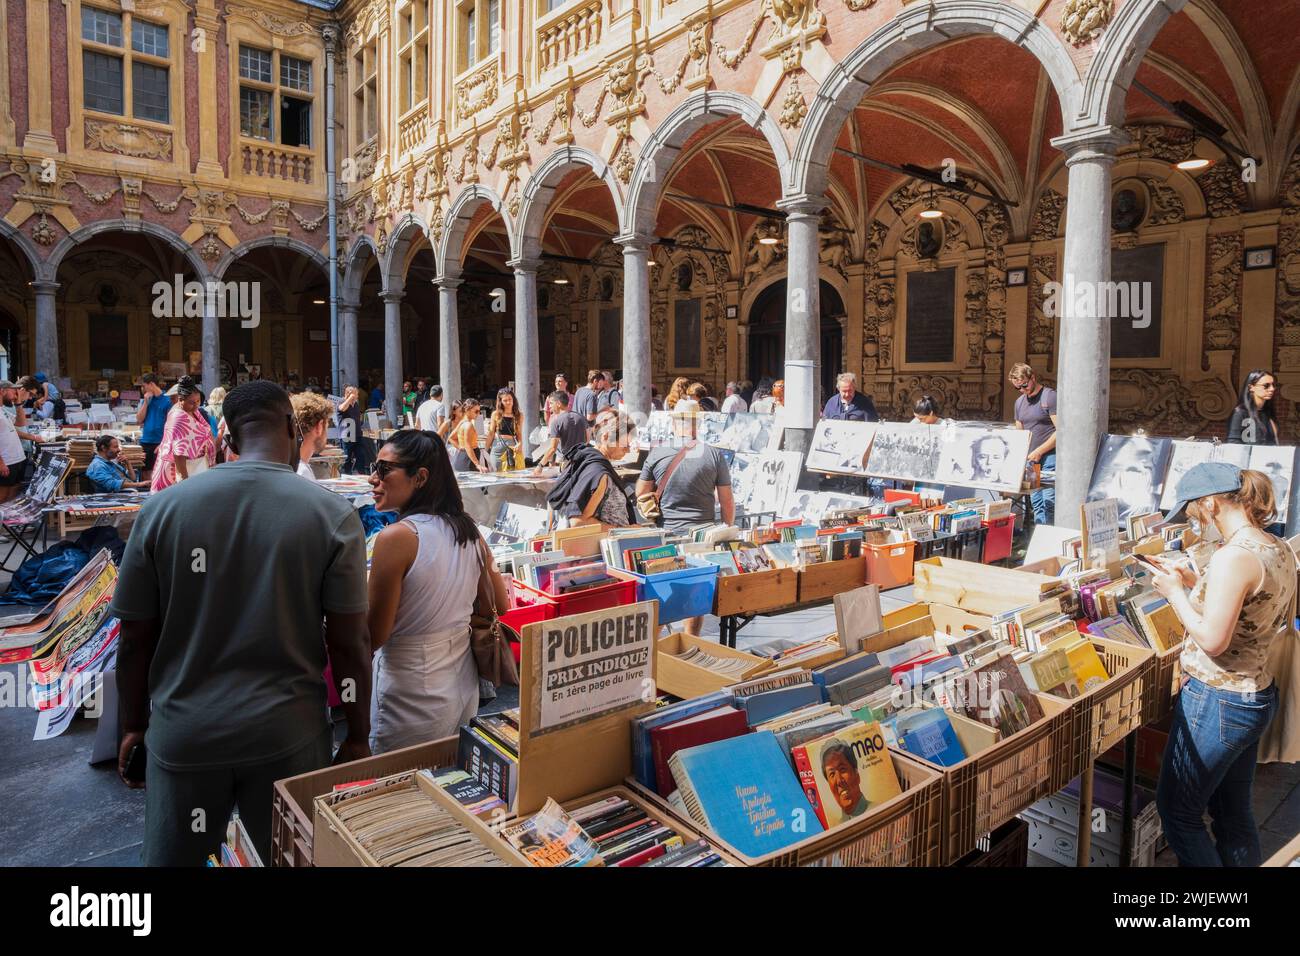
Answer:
(1209, 763)
(1043, 501)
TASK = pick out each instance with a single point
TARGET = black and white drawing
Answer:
(1131, 469)
(1189, 453)
(841, 447)
(1276, 461)
(749, 432)
(904, 450)
(982, 457)
(710, 427)
(520, 521)
(658, 430)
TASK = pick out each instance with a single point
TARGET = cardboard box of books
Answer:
(292, 813)
(403, 820)
(612, 827)
(979, 588)
(693, 666)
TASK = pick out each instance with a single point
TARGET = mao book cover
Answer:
(846, 773)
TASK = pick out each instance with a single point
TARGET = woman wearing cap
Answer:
(1235, 662)
(187, 439)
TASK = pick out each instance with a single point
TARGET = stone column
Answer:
(211, 346)
(528, 374)
(803, 319)
(392, 353)
(638, 365)
(348, 358)
(47, 329)
(1083, 369)
(448, 340)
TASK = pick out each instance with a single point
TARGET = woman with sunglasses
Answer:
(465, 438)
(503, 432)
(1254, 420)
(424, 577)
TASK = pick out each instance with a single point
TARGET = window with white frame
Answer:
(271, 84)
(115, 73)
(413, 55)
(480, 30)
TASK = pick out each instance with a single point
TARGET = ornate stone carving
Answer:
(364, 159)
(1164, 404)
(1166, 204)
(128, 140)
(270, 22)
(836, 241)
(908, 389)
(1173, 144)
(761, 256)
(856, 5)
(793, 108)
(477, 92)
(624, 165)
(1225, 193)
(1042, 330)
(467, 171)
(1223, 290)
(881, 316)
(131, 191)
(1046, 223)
(509, 152)
(1083, 20)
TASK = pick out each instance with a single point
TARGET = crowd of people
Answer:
(207, 630)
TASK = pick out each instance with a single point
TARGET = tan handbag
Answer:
(489, 638)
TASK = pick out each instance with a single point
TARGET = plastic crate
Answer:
(520, 617)
(986, 790)
(292, 798)
(890, 565)
(997, 538)
(1007, 847)
(1107, 714)
(681, 594)
(1166, 680)
(936, 547)
(904, 831)
(580, 602)
(968, 545)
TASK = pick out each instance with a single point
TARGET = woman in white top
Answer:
(423, 580)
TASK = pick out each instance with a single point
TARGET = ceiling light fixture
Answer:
(317, 301)
(931, 210)
(561, 281)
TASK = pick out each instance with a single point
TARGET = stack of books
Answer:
(488, 751)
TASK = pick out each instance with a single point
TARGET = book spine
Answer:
(808, 780)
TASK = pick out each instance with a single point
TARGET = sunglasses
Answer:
(1022, 385)
(385, 468)
(1269, 385)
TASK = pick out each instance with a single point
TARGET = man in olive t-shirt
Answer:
(224, 586)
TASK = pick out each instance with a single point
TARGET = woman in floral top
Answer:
(1236, 615)
(187, 436)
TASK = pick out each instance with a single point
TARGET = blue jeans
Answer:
(1209, 763)
(1043, 501)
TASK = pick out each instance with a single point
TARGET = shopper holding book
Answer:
(504, 431)
(424, 577)
(1236, 665)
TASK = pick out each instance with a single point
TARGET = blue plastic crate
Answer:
(681, 594)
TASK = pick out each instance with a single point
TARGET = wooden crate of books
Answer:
(680, 826)
(817, 582)
(756, 591)
(1109, 712)
(292, 813)
(403, 820)
(978, 588)
(686, 678)
(906, 830)
(1159, 692)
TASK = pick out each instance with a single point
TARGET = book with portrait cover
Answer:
(995, 694)
(846, 773)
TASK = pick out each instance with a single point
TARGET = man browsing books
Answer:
(1036, 411)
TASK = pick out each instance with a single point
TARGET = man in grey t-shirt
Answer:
(1036, 411)
(225, 584)
(688, 496)
(566, 430)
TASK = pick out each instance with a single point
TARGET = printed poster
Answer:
(588, 665)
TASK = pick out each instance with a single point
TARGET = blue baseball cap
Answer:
(40, 377)
(1201, 481)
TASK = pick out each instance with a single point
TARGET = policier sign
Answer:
(591, 664)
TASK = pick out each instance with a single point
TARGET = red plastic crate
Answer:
(543, 609)
(997, 542)
(580, 602)
(896, 494)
